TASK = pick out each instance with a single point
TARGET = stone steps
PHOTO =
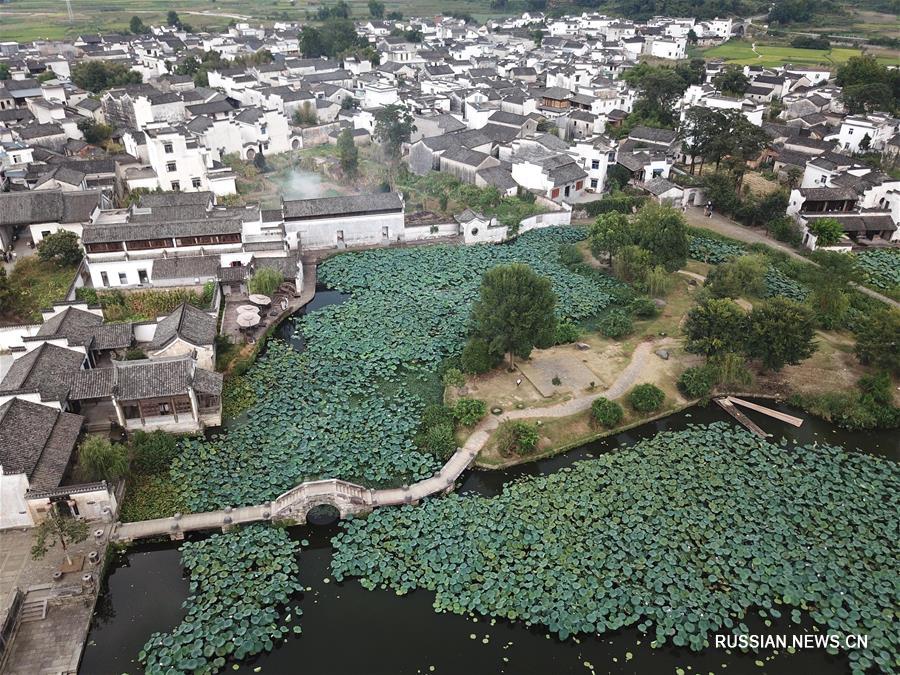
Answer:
(33, 610)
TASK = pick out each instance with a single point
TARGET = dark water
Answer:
(324, 296)
(349, 630)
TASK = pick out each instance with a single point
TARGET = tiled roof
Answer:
(113, 336)
(159, 230)
(76, 325)
(188, 323)
(45, 369)
(186, 267)
(47, 206)
(300, 209)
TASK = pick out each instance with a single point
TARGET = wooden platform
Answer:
(727, 404)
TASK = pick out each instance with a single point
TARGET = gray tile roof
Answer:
(91, 384)
(151, 378)
(45, 369)
(113, 336)
(186, 267)
(159, 230)
(188, 323)
(302, 209)
(76, 325)
(208, 382)
(37, 440)
(47, 206)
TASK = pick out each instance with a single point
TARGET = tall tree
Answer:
(716, 326)
(609, 234)
(60, 247)
(57, 529)
(828, 231)
(514, 311)
(136, 26)
(663, 232)
(780, 332)
(376, 9)
(660, 89)
(393, 127)
(172, 18)
(700, 130)
(731, 81)
(868, 85)
(311, 45)
(100, 459)
(348, 153)
(878, 340)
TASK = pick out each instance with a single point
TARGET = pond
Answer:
(347, 629)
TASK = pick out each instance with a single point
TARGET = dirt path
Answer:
(623, 383)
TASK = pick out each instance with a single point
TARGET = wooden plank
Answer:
(784, 417)
(728, 407)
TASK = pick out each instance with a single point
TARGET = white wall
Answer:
(358, 231)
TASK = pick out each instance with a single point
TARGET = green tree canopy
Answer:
(94, 132)
(868, 85)
(136, 26)
(715, 326)
(660, 88)
(731, 81)
(878, 340)
(348, 153)
(99, 459)
(376, 9)
(57, 529)
(663, 232)
(780, 332)
(742, 276)
(514, 311)
(609, 233)
(393, 127)
(97, 76)
(828, 231)
(60, 247)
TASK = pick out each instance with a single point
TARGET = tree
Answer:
(376, 9)
(516, 437)
(615, 324)
(731, 81)
(265, 281)
(60, 247)
(514, 311)
(393, 127)
(57, 529)
(4, 71)
(745, 141)
(794, 175)
(646, 398)
(742, 276)
(339, 35)
(632, 264)
(868, 85)
(697, 381)
(715, 326)
(878, 340)
(305, 115)
(606, 412)
(468, 411)
(311, 45)
(348, 153)
(663, 232)
(828, 231)
(172, 18)
(94, 132)
(96, 76)
(537, 35)
(477, 357)
(701, 128)
(7, 294)
(780, 332)
(609, 233)
(99, 459)
(660, 89)
(136, 26)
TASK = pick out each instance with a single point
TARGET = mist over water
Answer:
(300, 184)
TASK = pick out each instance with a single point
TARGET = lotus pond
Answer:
(348, 629)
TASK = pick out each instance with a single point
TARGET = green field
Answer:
(741, 52)
(26, 20)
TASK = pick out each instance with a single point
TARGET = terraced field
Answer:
(741, 52)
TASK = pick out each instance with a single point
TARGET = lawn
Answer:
(36, 284)
(741, 52)
(26, 20)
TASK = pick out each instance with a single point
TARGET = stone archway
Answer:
(323, 513)
(295, 144)
(251, 153)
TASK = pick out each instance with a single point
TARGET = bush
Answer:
(152, 452)
(468, 411)
(615, 324)
(134, 354)
(438, 440)
(569, 255)
(741, 276)
(606, 412)
(730, 369)
(61, 248)
(878, 340)
(697, 382)
(265, 281)
(659, 281)
(453, 377)
(643, 308)
(477, 357)
(566, 332)
(786, 230)
(646, 398)
(99, 459)
(516, 437)
(619, 203)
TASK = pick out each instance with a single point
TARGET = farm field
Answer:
(741, 52)
(27, 20)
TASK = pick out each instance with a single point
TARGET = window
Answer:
(170, 167)
(104, 277)
(593, 183)
(165, 409)
(567, 190)
(595, 163)
(123, 279)
(176, 186)
(555, 193)
(195, 182)
(142, 277)
(850, 131)
(168, 148)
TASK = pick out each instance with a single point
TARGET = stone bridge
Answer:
(349, 500)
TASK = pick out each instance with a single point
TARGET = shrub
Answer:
(453, 377)
(265, 280)
(606, 412)
(632, 264)
(615, 324)
(566, 332)
(658, 282)
(468, 411)
(741, 276)
(730, 369)
(99, 459)
(477, 357)
(878, 340)
(134, 354)
(438, 440)
(152, 452)
(646, 398)
(697, 382)
(516, 437)
(643, 308)
(786, 230)
(569, 255)
(61, 248)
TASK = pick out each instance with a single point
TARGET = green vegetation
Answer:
(34, 284)
(515, 437)
(393, 127)
(436, 431)
(348, 154)
(514, 311)
(573, 551)
(150, 491)
(144, 305)
(57, 529)
(265, 280)
(697, 381)
(740, 52)
(828, 231)
(97, 76)
(239, 581)
(469, 411)
(61, 248)
(881, 269)
(646, 398)
(615, 324)
(878, 340)
(868, 86)
(870, 406)
(99, 459)
(606, 412)
(741, 276)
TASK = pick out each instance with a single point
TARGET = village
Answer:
(171, 199)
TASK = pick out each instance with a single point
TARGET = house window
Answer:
(168, 148)
(567, 190)
(593, 183)
(555, 193)
(104, 277)
(579, 185)
(595, 163)
(850, 131)
(195, 182)
(170, 167)
(176, 186)
(165, 409)
(123, 279)
(142, 277)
